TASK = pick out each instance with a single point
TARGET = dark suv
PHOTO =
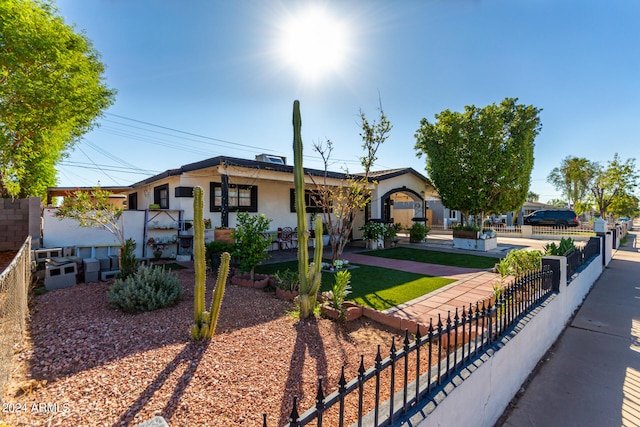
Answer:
(553, 217)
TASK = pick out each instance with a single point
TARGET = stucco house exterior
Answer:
(261, 186)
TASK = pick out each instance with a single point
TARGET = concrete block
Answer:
(91, 265)
(41, 255)
(108, 275)
(60, 276)
(91, 276)
(105, 264)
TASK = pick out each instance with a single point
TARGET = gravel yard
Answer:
(86, 364)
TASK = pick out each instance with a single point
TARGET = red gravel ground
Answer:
(86, 364)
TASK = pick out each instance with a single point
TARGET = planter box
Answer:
(475, 244)
(223, 235)
(352, 311)
(465, 234)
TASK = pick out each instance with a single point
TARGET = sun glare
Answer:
(314, 43)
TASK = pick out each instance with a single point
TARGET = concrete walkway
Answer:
(591, 375)
(472, 285)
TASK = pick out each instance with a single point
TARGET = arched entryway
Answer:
(403, 205)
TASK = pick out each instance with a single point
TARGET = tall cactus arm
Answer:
(198, 256)
(218, 293)
(301, 212)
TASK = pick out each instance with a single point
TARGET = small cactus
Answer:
(205, 321)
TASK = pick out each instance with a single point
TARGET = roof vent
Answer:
(269, 158)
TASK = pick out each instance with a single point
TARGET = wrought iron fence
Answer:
(576, 258)
(564, 231)
(14, 286)
(415, 371)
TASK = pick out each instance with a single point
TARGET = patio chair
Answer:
(285, 238)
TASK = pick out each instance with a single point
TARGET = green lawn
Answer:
(435, 257)
(375, 287)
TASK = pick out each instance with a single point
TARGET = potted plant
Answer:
(252, 242)
(373, 232)
(390, 234)
(466, 231)
(287, 284)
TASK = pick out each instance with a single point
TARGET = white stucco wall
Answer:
(67, 232)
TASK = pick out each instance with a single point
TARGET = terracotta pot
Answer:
(223, 235)
(260, 281)
(286, 295)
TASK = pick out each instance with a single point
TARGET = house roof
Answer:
(246, 163)
(392, 173)
(235, 161)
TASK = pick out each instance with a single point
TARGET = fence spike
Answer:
(406, 340)
(293, 417)
(361, 369)
(320, 393)
(378, 358)
(264, 419)
(342, 382)
(392, 350)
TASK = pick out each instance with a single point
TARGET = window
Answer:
(161, 196)
(311, 200)
(133, 202)
(240, 198)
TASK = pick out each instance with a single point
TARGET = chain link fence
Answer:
(14, 288)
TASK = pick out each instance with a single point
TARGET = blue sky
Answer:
(215, 71)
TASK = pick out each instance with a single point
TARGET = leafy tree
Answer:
(93, 209)
(532, 197)
(51, 92)
(253, 242)
(480, 160)
(573, 179)
(617, 180)
(625, 205)
(340, 204)
(559, 203)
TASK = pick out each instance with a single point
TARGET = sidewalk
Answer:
(591, 375)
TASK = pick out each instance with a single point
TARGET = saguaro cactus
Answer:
(310, 275)
(205, 321)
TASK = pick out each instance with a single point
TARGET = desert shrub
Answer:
(128, 261)
(287, 280)
(149, 288)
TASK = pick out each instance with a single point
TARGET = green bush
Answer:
(214, 249)
(149, 288)
(566, 245)
(417, 232)
(519, 262)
